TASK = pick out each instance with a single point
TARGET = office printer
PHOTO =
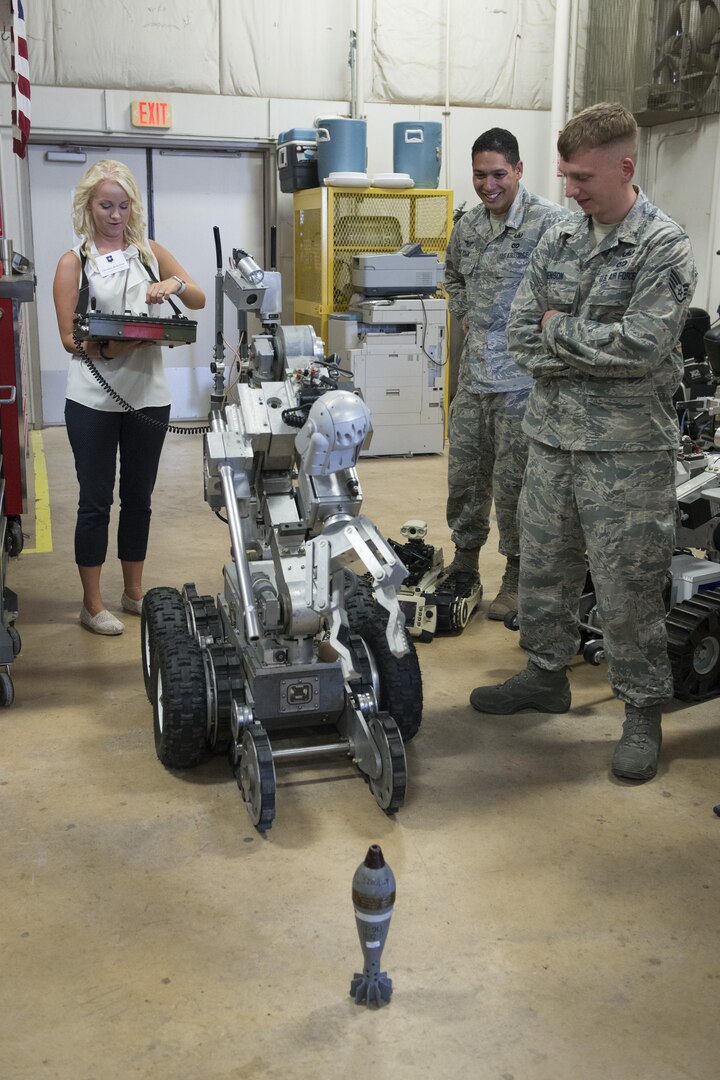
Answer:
(393, 339)
(409, 271)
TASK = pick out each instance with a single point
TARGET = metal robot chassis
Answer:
(298, 657)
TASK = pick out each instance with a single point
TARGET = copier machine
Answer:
(393, 339)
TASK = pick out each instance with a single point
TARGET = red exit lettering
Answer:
(156, 114)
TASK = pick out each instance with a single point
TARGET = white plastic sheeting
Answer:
(124, 44)
(263, 48)
(501, 50)
(38, 26)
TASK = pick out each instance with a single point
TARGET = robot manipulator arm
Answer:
(341, 544)
(227, 467)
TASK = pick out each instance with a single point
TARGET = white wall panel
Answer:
(284, 50)
(60, 108)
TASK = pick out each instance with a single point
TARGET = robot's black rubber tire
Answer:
(399, 678)
(14, 539)
(16, 640)
(7, 690)
(594, 652)
(179, 702)
(163, 611)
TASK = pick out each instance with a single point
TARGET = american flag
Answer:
(21, 80)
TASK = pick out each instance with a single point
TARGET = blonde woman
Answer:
(122, 271)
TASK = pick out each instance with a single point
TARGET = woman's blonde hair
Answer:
(82, 220)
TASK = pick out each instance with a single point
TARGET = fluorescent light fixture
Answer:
(66, 155)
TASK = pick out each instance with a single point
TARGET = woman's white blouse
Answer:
(138, 375)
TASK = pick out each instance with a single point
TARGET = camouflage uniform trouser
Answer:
(486, 460)
(619, 508)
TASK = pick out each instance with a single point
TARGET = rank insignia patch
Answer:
(678, 287)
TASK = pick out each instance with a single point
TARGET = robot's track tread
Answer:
(227, 671)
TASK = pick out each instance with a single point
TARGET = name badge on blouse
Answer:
(112, 263)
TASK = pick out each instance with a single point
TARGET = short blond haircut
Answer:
(603, 124)
(82, 220)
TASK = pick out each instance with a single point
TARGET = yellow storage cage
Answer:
(331, 224)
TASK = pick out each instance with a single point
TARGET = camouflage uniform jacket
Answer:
(482, 272)
(606, 368)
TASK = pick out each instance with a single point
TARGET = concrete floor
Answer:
(551, 923)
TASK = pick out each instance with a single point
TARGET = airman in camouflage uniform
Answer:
(596, 322)
(489, 250)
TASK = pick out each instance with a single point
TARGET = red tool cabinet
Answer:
(14, 292)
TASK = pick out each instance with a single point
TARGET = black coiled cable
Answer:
(295, 417)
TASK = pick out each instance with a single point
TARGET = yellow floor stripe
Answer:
(43, 529)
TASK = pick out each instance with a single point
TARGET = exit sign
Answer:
(151, 114)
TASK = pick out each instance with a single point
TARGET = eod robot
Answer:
(304, 652)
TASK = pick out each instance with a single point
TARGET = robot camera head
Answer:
(334, 433)
(414, 529)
